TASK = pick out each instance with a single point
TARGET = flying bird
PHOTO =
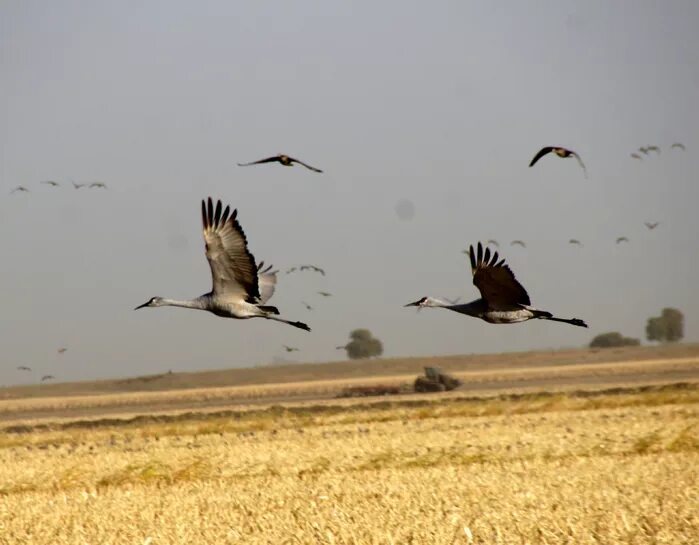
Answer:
(312, 268)
(290, 348)
(47, 377)
(51, 183)
(656, 149)
(78, 186)
(561, 152)
(621, 239)
(308, 307)
(24, 368)
(678, 145)
(61, 350)
(493, 242)
(575, 241)
(520, 242)
(503, 299)
(240, 286)
(644, 151)
(19, 188)
(98, 185)
(637, 156)
(292, 269)
(650, 225)
(325, 293)
(282, 159)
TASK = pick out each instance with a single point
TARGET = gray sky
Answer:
(439, 103)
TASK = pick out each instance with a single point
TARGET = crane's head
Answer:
(152, 302)
(420, 303)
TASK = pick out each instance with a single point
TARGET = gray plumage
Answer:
(240, 286)
(503, 299)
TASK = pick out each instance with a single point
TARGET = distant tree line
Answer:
(666, 328)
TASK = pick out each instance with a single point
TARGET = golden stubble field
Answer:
(606, 468)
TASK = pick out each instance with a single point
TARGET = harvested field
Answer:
(587, 468)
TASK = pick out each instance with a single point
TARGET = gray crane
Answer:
(575, 241)
(678, 145)
(240, 286)
(650, 225)
(19, 188)
(51, 183)
(621, 239)
(503, 299)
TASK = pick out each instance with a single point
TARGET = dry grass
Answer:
(582, 469)
(230, 395)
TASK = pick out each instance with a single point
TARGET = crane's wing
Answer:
(274, 158)
(542, 152)
(495, 280)
(520, 242)
(267, 281)
(309, 167)
(582, 165)
(233, 268)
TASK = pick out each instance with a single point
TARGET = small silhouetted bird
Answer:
(282, 159)
(656, 149)
(290, 348)
(308, 307)
(621, 239)
(24, 368)
(644, 151)
(99, 185)
(575, 241)
(637, 156)
(19, 188)
(51, 183)
(78, 186)
(61, 350)
(325, 293)
(561, 152)
(493, 242)
(678, 145)
(312, 268)
(520, 242)
(650, 225)
(47, 377)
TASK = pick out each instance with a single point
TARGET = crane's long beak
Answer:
(143, 305)
(415, 304)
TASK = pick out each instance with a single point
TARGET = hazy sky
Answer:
(439, 103)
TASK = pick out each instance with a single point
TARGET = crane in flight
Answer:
(678, 145)
(19, 188)
(281, 159)
(621, 239)
(24, 368)
(650, 225)
(575, 241)
(518, 242)
(503, 299)
(240, 286)
(47, 377)
(290, 348)
(51, 183)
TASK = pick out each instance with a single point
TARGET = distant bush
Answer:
(612, 339)
(667, 328)
(363, 345)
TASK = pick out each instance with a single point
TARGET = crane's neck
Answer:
(197, 303)
(474, 308)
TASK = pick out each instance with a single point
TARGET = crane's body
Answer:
(240, 286)
(503, 299)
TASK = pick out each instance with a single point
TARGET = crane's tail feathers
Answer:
(300, 325)
(269, 309)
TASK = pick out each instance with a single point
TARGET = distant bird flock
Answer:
(242, 287)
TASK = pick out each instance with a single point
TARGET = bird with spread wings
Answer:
(240, 286)
(503, 299)
(560, 152)
(281, 159)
